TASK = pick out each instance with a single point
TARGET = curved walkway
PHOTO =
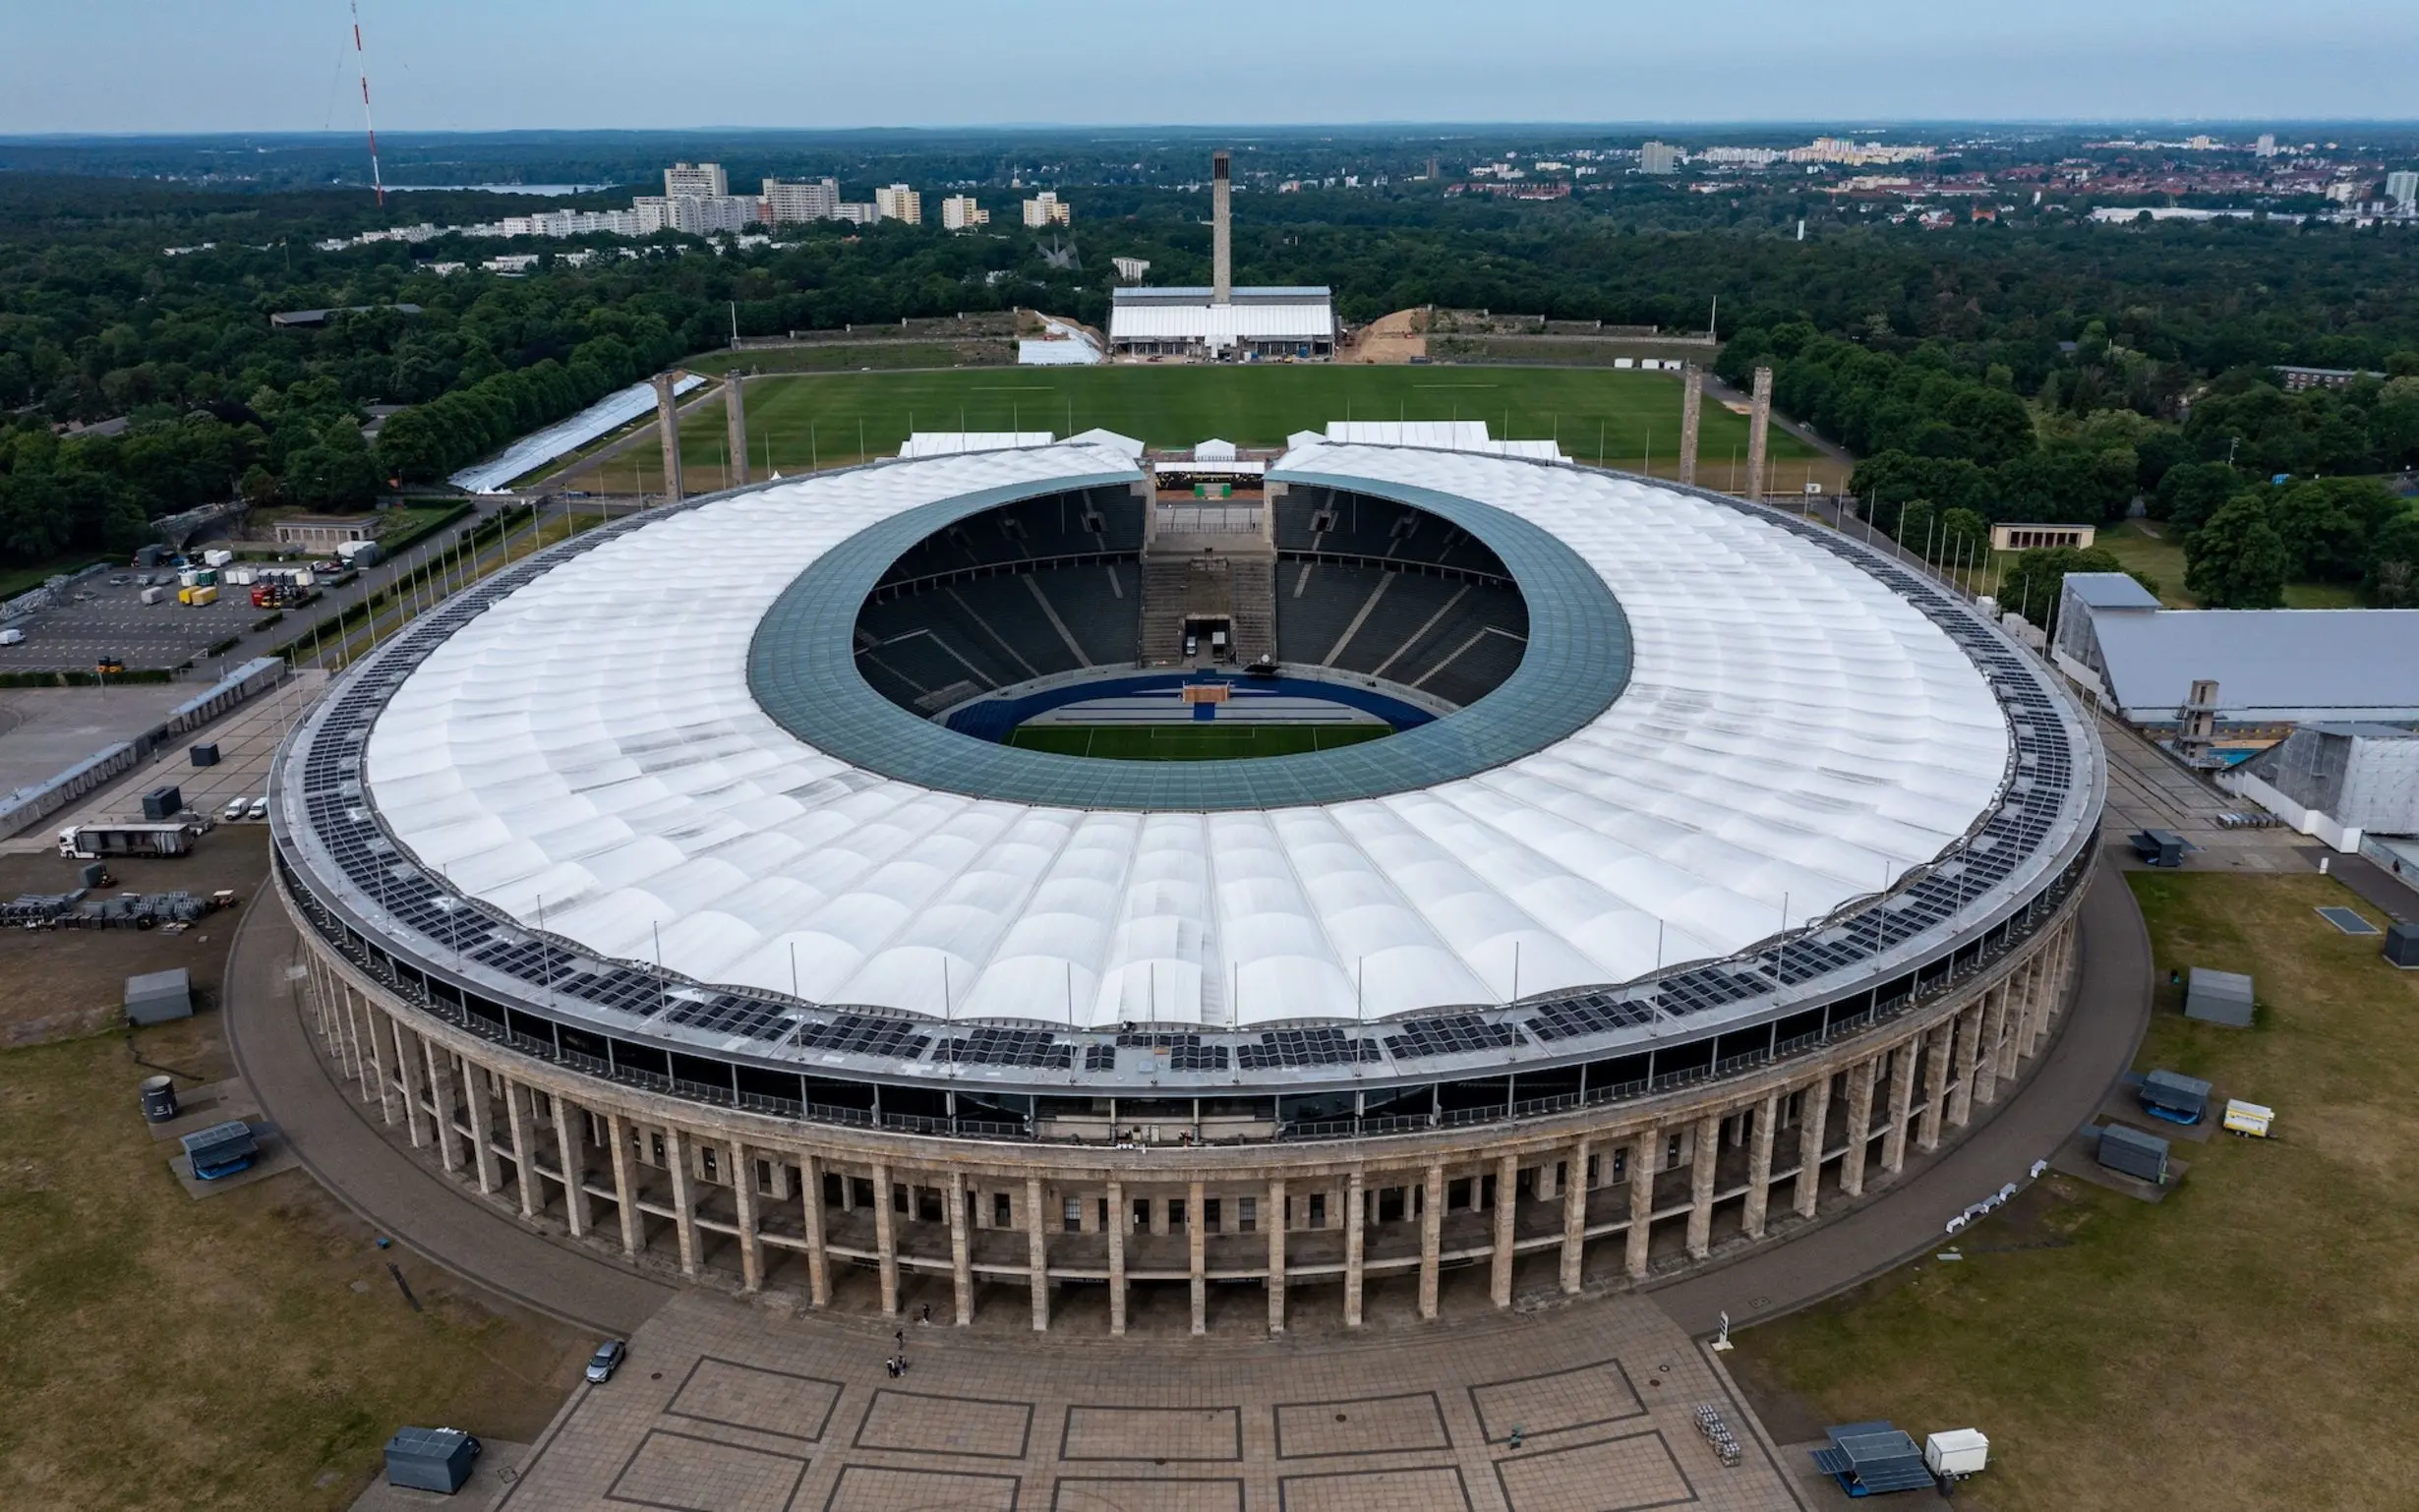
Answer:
(342, 1143)
(2096, 1038)
(348, 1151)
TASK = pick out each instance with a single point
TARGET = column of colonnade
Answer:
(489, 1116)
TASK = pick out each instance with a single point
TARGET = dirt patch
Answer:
(68, 981)
(1390, 339)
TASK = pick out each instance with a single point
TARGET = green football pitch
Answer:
(1624, 418)
(1211, 741)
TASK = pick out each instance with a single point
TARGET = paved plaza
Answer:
(725, 1406)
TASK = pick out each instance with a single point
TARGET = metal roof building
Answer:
(1190, 321)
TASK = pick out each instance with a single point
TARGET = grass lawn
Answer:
(2247, 1343)
(839, 356)
(2147, 545)
(250, 1352)
(16, 580)
(1624, 418)
(1190, 742)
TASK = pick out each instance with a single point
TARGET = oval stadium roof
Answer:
(585, 755)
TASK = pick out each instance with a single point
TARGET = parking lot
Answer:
(104, 616)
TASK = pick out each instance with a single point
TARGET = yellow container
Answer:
(197, 597)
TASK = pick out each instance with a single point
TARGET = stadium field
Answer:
(1190, 742)
(1623, 419)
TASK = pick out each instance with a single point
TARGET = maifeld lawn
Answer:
(1622, 418)
(2251, 1340)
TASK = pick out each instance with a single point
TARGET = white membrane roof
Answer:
(586, 756)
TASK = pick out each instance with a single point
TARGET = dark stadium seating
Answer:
(993, 631)
(1341, 524)
(1036, 530)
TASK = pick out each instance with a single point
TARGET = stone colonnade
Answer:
(738, 1198)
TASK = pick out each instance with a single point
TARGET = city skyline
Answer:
(287, 65)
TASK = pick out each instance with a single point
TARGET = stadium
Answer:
(1012, 865)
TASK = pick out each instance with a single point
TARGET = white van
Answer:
(12, 637)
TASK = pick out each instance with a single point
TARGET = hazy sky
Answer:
(286, 65)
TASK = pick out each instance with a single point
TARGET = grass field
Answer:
(1190, 742)
(1623, 419)
(250, 1353)
(2145, 545)
(2227, 1348)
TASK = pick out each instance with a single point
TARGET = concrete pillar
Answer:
(744, 1200)
(677, 1154)
(1701, 1184)
(478, 1090)
(961, 1251)
(1759, 1167)
(1859, 1125)
(1356, 1220)
(1432, 1237)
(1221, 255)
(524, 1164)
(1197, 1257)
(439, 1069)
(810, 1215)
(1574, 1216)
(1644, 1155)
(1692, 412)
(1902, 1104)
(667, 428)
(377, 1062)
(407, 1057)
(735, 418)
(885, 1241)
(625, 1196)
(1036, 1253)
(1969, 1042)
(1274, 1221)
(1118, 1219)
(2016, 1044)
(1760, 426)
(1987, 1054)
(1507, 1210)
(1935, 1086)
(1814, 1111)
(571, 1148)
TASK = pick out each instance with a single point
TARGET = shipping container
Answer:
(197, 597)
(154, 595)
(216, 559)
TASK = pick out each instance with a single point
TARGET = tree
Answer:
(2394, 562)
(2188, 495)
(2327, 524)
(2033, 583)
(2237, 560)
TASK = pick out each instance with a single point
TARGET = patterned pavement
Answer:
(725, 1406)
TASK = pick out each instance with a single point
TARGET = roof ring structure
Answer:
(802, 670)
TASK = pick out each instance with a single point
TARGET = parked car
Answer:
(258, 808)
(607, 1359)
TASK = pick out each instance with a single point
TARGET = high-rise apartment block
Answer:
(896, 201)
(791, 201)
(2402, 188)
(2267, 145)
(1046, 210)
(1660, 157)
(695, 181)
(960, 212)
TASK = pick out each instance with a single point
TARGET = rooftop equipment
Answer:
(429, 1459)
(1870, 1459)
(2403, 946)
(158, 1099)
(164, 804)
(155, 997)
(220, 1150)
(206, 754)
(2218, 996)
(2179, 1099)
(2134, 1153)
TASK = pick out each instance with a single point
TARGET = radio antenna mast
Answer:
(361, 64)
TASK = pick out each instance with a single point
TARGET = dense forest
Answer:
(2044, 372)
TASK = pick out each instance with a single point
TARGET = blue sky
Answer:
(436, 65)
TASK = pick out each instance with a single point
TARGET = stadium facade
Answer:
(1736, 869)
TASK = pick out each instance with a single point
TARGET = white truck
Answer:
(128, 837)
(358, 553)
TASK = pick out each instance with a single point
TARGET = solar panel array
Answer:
(2042, 771)
(1453, 1034)
(1293, 1048)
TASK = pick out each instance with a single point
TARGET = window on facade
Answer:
(1247, 1214)
(1210, 1215)
(658, 1143)
(1002, 1215)
(1176, 1215)
(897, 1197)
(1073, 1218)
(764, 1176)
(705, 1161)
(1142, 1215)
(1318, 1210)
